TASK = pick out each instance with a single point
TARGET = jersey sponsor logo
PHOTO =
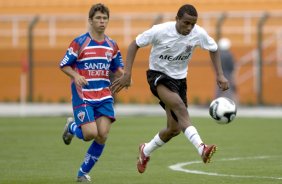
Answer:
(94, 74)
(81, 115)
(90, 53)
(98, 73)
(96, 66)
(171, 58)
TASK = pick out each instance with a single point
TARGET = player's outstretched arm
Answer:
(125, 79)
(222, 82)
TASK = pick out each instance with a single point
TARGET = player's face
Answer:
(99, 22)
(185, 24)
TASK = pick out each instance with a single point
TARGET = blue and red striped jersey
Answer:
(93, 60)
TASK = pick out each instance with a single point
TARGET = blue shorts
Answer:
(86, 113)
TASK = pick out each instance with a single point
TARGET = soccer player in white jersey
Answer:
(172, 46)
(88, 62)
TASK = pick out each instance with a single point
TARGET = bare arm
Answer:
(118, 73)
(131, 53)
(125, 80)
(222, 82)
(78, 79)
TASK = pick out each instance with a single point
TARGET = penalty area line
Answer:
(179, 167)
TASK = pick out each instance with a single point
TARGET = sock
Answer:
(192, 134)
(94, 152)
(74, 129)
(155, 143)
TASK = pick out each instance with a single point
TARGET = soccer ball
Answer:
(223, 110)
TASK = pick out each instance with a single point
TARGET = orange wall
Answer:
(51, 85)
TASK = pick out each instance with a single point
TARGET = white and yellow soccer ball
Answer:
(223, 110)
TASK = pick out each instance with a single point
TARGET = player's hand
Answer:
(123, 82)
(222, 82)
(80, 80)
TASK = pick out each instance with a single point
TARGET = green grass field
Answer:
(32, 152)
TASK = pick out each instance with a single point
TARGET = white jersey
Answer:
(171, 51)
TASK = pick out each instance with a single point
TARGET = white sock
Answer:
(155, 143)
(192, 134)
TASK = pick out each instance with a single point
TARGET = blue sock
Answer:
(94, 152)
(74, 129)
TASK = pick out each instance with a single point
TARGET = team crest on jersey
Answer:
(81, 115)
(109, 55)
(188, 48)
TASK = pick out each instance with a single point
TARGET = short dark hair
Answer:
(187, 8)
(98, 7)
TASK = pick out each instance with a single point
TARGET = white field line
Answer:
(179, 167)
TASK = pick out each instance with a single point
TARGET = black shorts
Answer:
(178, 86)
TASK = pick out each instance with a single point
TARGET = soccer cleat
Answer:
(84, 178)
(142, 159)
(67, 136)
(208, 152)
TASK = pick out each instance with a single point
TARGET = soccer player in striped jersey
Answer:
(88, 62)
(172, 46)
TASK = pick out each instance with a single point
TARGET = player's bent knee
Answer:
(102, 138)
(89, 136)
